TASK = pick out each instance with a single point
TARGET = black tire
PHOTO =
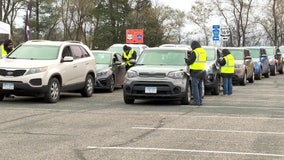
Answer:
(186, 99)
(244, 80)
(89, 86)
(273, 70)
(111, 84)
(267, 75)
(53, 93)
(217, 87)
(1, 97)
(128, 100)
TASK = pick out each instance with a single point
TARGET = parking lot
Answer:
(247, 125)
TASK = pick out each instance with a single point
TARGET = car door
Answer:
(119, 68)
(249, 63)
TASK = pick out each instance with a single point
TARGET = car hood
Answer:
(239, 61)
(157, 69)
(101, 67)
(25, 63)
(209, 63)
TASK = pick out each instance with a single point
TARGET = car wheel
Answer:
(128, 100)
(216, 89)
(186, 99)
(111, 84)
(267, 74)
(1, 97)
(244, 80)
(53, 93)
(273, 70)
(89, 86)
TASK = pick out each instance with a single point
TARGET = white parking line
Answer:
(185, 150)
(238, 107)
(208, 130)
(240, 117)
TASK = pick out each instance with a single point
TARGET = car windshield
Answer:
(254, 52)
(281, 49)
(162, 57)
(270, 51)
(102, 57)
(211, 54)
(35, 52)
(119, 49)
(238, 54)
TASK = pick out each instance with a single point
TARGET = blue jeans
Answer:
(196, 85)
(227, 85)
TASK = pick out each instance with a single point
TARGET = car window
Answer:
(162, 57)
(211, 55)
(66, 52)
(281, 49)
(238, 54)
(254, 52)
(270, 51)
(103, 58)
(36, 52)
(78, 52)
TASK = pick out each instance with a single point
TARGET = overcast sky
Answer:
(183, 5)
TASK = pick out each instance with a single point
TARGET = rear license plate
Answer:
(8, 86)
(150, 89)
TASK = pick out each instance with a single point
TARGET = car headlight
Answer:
(131, 74)
(103, 73)
(176, 74)
(36, 70)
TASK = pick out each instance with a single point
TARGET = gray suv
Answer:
(160, 73)
(47, 68)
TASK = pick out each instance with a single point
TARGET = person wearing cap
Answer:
(196, 59)
(128, 54)
(6, 47)
(227, 64)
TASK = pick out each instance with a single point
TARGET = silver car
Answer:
(160, 73)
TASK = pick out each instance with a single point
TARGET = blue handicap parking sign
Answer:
(139, 36)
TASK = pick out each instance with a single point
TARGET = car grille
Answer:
(157, 75)
(14, 73)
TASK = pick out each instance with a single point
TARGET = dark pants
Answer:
(196, 85)
(227, 85)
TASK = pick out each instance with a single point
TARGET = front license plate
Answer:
(150, 89)
(8, 86)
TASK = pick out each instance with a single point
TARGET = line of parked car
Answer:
(46, 68)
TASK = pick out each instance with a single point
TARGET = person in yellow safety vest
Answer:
(196, 59)
(128, 54)
(6, 47)
(227, 63)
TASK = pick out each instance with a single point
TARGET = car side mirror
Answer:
(67, 59)
(117, 63)
(132, 61)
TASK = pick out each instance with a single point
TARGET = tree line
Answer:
(101, 23)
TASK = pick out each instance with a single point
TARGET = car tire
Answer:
(1, 97)
(244, 80)
(186, 99)
(267, 74)
(273, 70)
(53, 93)
(89, 86)
(128, 100)
(217, 87)
(111, 84)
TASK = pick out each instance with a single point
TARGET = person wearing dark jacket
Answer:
(196, 60)
(227, 63)
(6, 47)
(128, 54)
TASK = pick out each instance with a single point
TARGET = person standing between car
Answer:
(6, 47)
(197, 61)
(128, 54)
(227, 63)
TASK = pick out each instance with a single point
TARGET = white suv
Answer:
(43, 68)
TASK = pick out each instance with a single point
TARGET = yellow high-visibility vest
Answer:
(200, 61)
(128, 56)
(229, 67)
(3, 51)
